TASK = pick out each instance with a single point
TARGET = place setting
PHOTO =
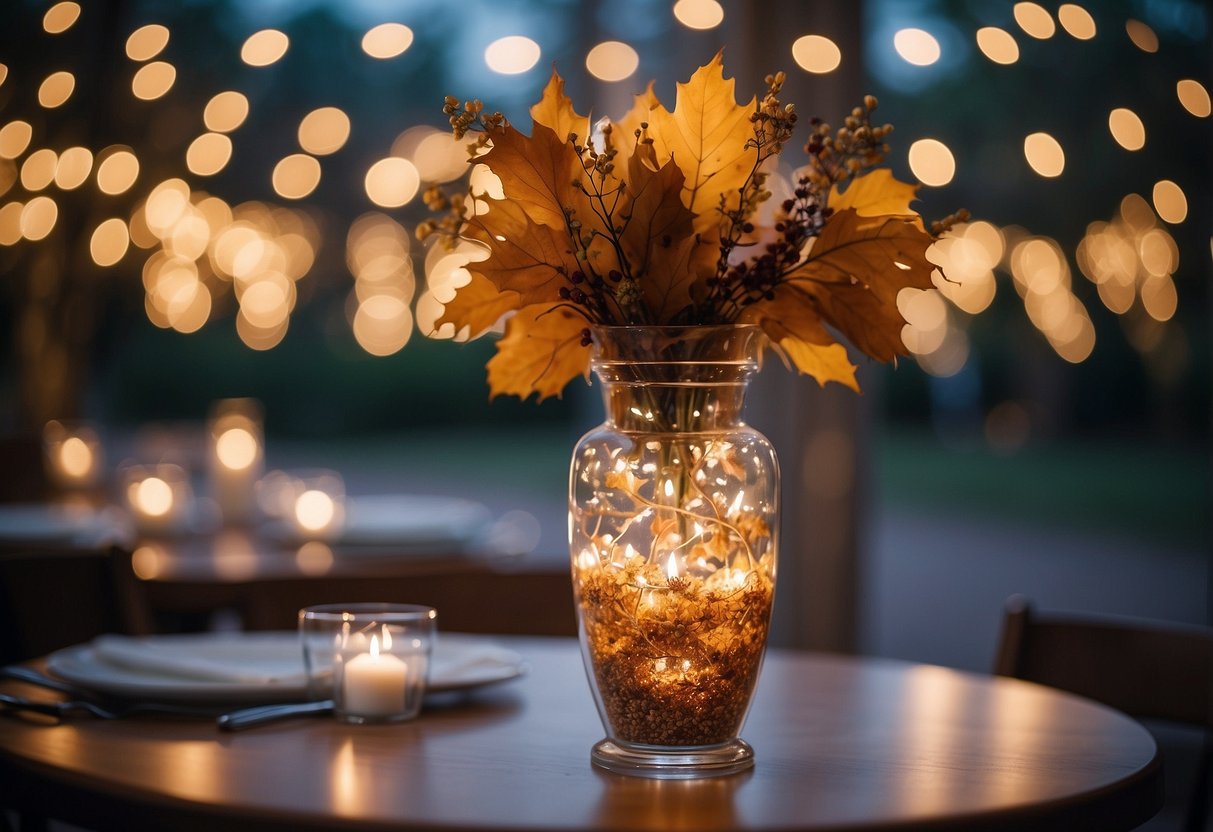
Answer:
(363, 663)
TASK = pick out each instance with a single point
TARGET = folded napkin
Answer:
(459, 661)
(234, 658)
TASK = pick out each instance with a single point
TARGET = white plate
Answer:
(460, 662)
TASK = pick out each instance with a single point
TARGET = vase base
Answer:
(673, 762)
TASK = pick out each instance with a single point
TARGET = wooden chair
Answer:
(52, 598)
(1148, 670)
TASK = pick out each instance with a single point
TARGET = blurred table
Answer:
(841, 743)
(266, 582)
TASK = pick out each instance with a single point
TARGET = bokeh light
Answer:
(612, 60)
(998, 45)
(225, 111)
(1127, 128)
(699, 14)
(208, 154)
(1035, 20)
(10, 223)
(387, 40)
(60, 17)
(816, 54)
(1194, 97)
(1044, 154)
(15, 138)
(38, 169)
(117, 171)
(38, 218)
(392, 182)
(932, 162)
(153, 80)
(916, 46)
(1143, 36)
(264, 48)
(512, 55)
(1076, 20)
(1170, 202)
(109, 242)
(324, 131)
(56, 89)
(296, 176)
(147, 42)
(73, 167)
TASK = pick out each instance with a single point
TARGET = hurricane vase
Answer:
(673, 527)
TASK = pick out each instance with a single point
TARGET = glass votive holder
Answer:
(236, 457)
(158, 497)
(372, 660)
(73, 454)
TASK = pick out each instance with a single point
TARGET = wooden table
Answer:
(841, 743)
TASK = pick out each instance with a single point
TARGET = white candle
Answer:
(374, 683)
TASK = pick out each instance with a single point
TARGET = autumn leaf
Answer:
(624, 130)
(540, 353)
(875, 194)
(706, 135)
(477, 306)
(555, 110)
(525, 258)
(537, 174)
(824, 362)
(657, 236)
(855, 270)
(791, 312)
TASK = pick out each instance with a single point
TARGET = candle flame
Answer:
(671, 568)
(375, 647)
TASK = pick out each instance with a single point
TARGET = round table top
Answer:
(840, 742)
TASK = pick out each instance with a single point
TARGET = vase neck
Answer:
(675, 379)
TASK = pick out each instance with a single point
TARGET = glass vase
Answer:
(673, 526)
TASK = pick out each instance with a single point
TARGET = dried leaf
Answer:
(555, 110)
(478, 306)
(854, 272)
(624, 130)
(875, 194)
(824, 362)
(706, 135)
(540, 353)
(537, 173)
(791, 313)
(525, 258)
(657, 236)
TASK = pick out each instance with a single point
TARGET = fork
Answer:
(111, 711)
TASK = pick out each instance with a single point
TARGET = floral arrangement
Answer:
(657, 219)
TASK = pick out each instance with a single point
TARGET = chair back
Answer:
(52, 598)
(1148, 670)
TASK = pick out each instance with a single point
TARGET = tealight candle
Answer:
(374, 683)
(372, 660)
(317, 505)
(236, 457)
(73, 454)
(157, 496)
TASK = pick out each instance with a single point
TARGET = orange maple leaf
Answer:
(528, 259)
(657, 236)
(477, 306)
(854, 271)
(555, 110)
(540, 353)
(875, 194)
(624, 130)
(706, 135)
(824, 362)
(537, 174)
